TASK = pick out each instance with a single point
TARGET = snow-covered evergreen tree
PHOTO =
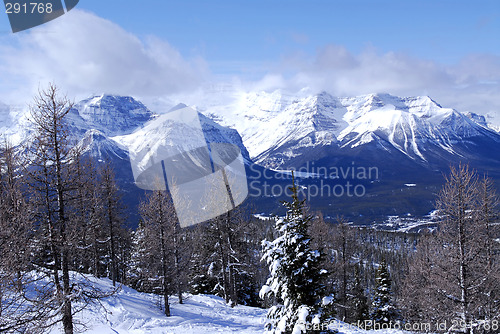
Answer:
(295, 280)
(383, 310)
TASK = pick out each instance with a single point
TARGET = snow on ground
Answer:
(129, 311)
(199, 314)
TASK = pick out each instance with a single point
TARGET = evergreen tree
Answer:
(200, 278)
(295, 274)
(222, 256)
(383, 309)
(142, 271)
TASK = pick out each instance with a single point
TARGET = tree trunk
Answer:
(223, 261)
(344, 273)
(95, 252)
(464, 300)
(232, 275)
(67, 317)
(176, 263)
(112, 247)
(232, 284)
(164, 271)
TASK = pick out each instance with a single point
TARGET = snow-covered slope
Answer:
(13, 123)
(98, 145)
(277, 127)
(129, 311)
(162, 131)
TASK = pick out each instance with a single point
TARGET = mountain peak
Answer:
(177, 107)
(111, 114)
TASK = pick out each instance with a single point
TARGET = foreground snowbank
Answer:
(129, 311)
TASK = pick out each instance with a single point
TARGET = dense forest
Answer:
(62, 217)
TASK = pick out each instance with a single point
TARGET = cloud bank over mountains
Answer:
(85, 54)
(471, 85)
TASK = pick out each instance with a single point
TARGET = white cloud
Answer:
(471, 85)
(83, 53)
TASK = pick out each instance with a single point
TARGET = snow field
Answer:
(132, 312)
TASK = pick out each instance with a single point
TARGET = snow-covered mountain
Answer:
(97, 144)
(278, 127)
(110, 114)
(410, 140)
(405, 140)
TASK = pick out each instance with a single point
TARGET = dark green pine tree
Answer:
(383, 310)
(295, 281)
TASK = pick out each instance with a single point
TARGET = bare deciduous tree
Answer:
(161, 235)
(50, 173)
(16, 311)
(53, 184)
(454, 271)
(112, 224)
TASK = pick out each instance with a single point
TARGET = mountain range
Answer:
(392, 150)
(279, 129)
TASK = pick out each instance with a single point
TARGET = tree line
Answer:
(63, 222)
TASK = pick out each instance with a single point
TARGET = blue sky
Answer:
(264, 30)
(441, 48)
